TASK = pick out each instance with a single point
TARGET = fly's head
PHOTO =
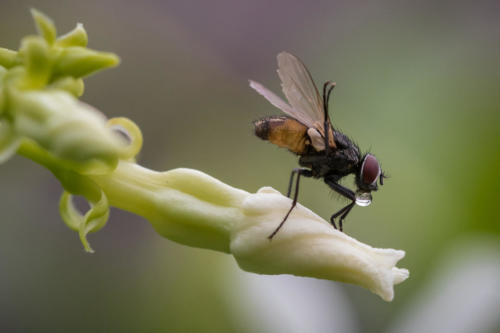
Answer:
(366, 179)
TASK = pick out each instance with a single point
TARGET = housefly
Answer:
(306, 131)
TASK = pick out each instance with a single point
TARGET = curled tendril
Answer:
(93, 220)
(133, 134)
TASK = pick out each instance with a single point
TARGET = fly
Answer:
(306, 131)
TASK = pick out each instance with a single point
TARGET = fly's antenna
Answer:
(383, 176)
(326, 95)
(326, 98)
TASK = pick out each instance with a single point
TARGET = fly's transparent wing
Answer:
(306, 103)
(279, 103)
(299, 89)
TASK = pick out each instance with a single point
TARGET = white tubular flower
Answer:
(194, 209)
(307, 245)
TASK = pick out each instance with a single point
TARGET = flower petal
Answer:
(307, 245)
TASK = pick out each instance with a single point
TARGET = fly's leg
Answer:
(290, 183)
(334, 216)
(347, 211)
(299, 172)
(343, 212)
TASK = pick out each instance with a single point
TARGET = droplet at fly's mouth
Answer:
(363, 199)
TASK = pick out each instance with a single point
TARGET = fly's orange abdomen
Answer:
(284, 132)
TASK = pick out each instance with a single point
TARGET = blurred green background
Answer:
(417, 85)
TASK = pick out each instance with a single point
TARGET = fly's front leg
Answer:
(343, 212)
(299, 172)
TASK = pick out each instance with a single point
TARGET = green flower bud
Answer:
(36, 58)
(9, 141)
(14, 78)
(78, 61)
(74, 86)
(8, 58)
(45, 26)
(71, 130)
(76, 37)
(3, 71)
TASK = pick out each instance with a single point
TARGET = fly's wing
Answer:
(298, 87)
(283, 106)
(302, 94)
(272, 98)
(279, 103)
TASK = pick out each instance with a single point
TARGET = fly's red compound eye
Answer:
(370, 170)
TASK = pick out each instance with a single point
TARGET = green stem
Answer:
(184, 205)
(34, 152)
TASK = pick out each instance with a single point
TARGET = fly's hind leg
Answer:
(300, 172)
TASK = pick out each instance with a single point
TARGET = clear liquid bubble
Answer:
(363, 199)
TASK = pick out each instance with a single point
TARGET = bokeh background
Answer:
(418, 85)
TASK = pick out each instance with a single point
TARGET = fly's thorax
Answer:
(345, 161)
(341, 140)
(316, 161)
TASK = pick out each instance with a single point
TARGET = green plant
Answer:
(42, 119)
